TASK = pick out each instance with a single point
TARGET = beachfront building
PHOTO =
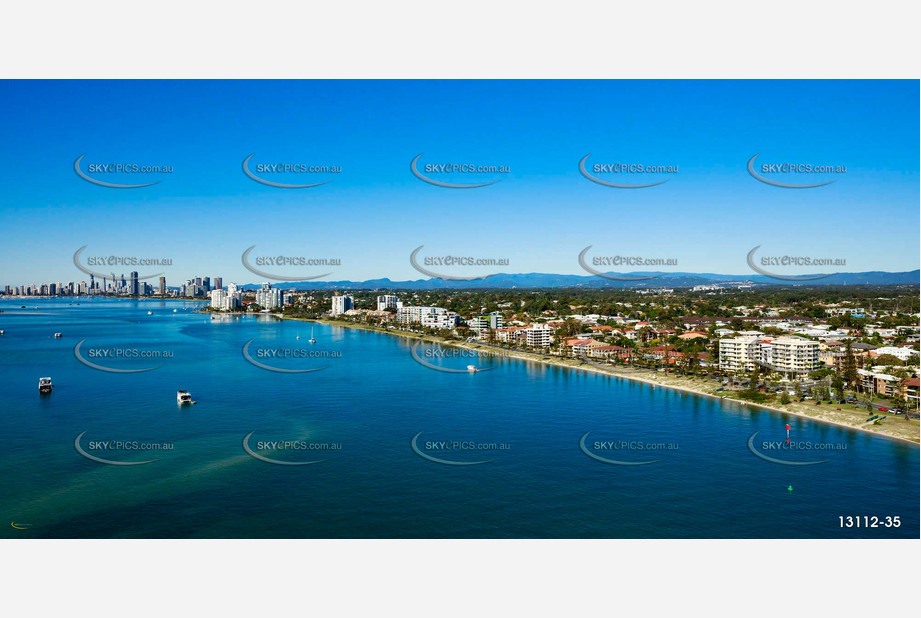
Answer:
(481, 323)
(538, 336)
(908, 388)
(788, 355)
(440, 320)
(792, 355)
(739, 353)
(877, 382)
(533, 336)
(268, 297)
(226, 300)
(341, 304)
(427, 317)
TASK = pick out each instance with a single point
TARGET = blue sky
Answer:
(373, 214)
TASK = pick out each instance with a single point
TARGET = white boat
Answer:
(184, 397)
(58, 335)
(312, 338)
(174, 310)
(150, 313)
(2, 332)
(44, 385)
(472, 368)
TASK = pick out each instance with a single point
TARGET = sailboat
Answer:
(312, 339)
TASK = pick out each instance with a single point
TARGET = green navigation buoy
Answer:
(790, 489)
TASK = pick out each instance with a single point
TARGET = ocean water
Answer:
(366, 401)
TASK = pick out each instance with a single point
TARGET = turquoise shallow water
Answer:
(370, 399)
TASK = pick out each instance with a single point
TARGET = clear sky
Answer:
(375, 212)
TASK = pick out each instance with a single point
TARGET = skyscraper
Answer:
(268, 297)
(162, 290)
(218, 283)
(341, 304)
(134, 289)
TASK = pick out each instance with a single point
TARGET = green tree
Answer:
(889, 360)
(849, 367)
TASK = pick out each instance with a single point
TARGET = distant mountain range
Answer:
(545, 280)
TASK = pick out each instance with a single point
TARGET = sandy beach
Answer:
(850, 416)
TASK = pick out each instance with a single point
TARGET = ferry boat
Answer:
(45, 385)
(184, 397)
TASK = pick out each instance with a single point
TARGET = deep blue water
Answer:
(371, 400)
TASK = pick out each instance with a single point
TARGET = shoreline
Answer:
(650, 378)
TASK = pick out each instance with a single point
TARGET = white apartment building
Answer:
(226, 301)
(790, 355)
(903, 354)
(217, 299)
(491, 320)
(387, 301)
(341, 304)
(739, 353)
(535, 335)
(793, 355)
(268, 297)
(539, 336)
(447, 319)
(430, 317)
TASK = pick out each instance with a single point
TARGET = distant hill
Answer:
(546, 280)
